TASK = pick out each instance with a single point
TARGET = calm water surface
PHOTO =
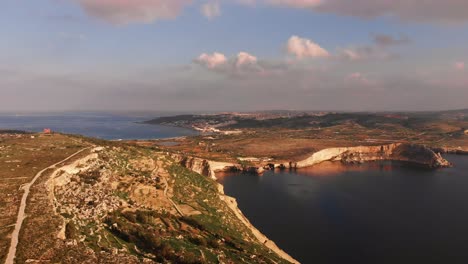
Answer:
(373, 213)
(100, 125)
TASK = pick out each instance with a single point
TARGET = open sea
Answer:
(100, 125)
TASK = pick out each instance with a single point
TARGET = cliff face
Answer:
(202, 166)
(209, 168)
(411, 153)
(417, 154)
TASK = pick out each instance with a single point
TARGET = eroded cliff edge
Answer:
(418, 155)
(411, 153)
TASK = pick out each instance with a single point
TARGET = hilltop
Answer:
(117, 203)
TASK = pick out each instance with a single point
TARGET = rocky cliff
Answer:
(209, 168)
(415, 154)
(204, 167)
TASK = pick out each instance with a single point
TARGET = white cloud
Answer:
(123, 12)
(244, 58)
(243, 64)
(211, 9)
(211, 61)
(305, 48)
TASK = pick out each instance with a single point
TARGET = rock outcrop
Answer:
(204, 167)
(411, 153)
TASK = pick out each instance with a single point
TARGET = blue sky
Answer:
(295, 54)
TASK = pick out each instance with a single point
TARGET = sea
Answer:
(111, 126)
(379, 212)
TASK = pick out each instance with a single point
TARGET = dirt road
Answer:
(21, 215)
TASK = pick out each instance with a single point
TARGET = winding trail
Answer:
(156, 168)
(21, 215)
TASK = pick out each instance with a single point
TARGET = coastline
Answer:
(208, 169)
(416, 154)
(232, 204)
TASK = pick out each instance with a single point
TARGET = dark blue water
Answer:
(372, 213)
(99, 125)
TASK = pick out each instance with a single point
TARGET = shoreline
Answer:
(415, 154)
(231, 202)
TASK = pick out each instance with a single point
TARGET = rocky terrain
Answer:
(117, 203)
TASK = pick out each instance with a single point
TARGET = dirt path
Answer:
(21, 215)
(157, 169)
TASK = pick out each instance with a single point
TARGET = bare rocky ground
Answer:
(125, 204)
(21, 157)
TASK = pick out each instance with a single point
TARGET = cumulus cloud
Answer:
(305, 48)
(240, 65)
(133, 11)
(211, 61)
(244, 58)
(211, 9)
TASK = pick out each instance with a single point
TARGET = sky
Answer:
(233, 55)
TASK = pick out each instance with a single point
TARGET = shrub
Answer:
(70, 230)
(200, 241)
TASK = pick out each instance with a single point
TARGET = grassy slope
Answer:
(132, 232)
